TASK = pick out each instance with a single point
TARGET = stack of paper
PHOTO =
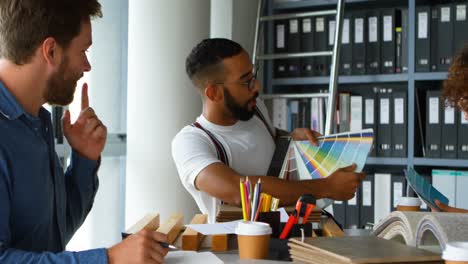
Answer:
(366, 249)
(426, 230)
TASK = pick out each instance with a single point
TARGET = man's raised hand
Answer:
(88, 134)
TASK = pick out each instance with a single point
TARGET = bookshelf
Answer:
(411, 78)
(379, 78)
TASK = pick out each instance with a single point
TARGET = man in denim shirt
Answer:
(43, 55)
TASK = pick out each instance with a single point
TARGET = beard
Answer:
(60, 90)
(240, 112)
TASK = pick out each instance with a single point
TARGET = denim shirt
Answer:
(41, 207)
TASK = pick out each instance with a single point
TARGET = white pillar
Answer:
(221, 19)
(161, 100)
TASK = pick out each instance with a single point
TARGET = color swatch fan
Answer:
(306, 161)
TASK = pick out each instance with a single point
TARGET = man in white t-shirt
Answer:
(234, 138)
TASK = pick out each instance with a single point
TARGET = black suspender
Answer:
(222, 155)
(260, 115)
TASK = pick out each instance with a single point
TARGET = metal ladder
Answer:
(332, 88)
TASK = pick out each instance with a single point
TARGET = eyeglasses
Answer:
(250, 83)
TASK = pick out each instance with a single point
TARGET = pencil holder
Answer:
(296, 230)
(273, 219)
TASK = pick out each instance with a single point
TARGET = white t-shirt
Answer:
(248, 144)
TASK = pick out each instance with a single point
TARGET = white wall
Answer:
(161, 100)
(243, 27)
(107, 85)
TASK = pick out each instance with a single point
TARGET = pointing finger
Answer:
(84, 97)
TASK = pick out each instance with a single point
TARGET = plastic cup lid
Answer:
(456, 251)
(249, 228)
(409, 201)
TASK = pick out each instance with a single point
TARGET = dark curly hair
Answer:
(204, 63)
(455, 88)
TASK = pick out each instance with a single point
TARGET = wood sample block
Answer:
(191, 239)
(220, 242)
(330, 228)
(172, 227)
(149, 222)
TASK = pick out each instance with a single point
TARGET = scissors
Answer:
(304, 206)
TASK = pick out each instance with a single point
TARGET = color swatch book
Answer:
(306, 161)
(426, 230)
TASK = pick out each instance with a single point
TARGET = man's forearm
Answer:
(222, 182)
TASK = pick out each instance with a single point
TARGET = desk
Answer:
(233, 257)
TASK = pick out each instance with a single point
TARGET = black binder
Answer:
(388, 47)
(433, 124)
(339, 212)
(352, 211)
(307, 45)
(320, 44)
(423, 39)
(462, 138)
(57, 113)
(294, 119)
(346, 57)
(304, 112)
(404, 41)
(359, 40)
(398, 183)
(449, 132)
(373, 42)
(280, 65)
(434, 38)
(294, 46)
(384, 136)
(366, 210)
(401, 40)
(331, 39)
(444, 38)
(344, 116)
(370, 115)
(460, 26)
(399, 124)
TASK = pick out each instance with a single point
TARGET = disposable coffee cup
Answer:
(456, 253)
(253, 239)
(409, 204)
